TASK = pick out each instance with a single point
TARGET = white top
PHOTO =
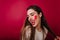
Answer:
(38, 34)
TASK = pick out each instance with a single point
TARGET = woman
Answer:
(35, 27)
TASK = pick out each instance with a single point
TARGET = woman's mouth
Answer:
(33, 23)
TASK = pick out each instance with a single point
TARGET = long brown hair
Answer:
(43, 23)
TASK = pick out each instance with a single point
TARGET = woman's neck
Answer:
(38, 27)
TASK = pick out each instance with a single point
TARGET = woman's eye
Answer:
(27, 17)
(32, 14)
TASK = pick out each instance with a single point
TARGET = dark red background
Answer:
(13, 14)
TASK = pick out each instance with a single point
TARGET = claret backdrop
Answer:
(13, 14)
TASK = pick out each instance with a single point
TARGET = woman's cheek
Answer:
(35, 17)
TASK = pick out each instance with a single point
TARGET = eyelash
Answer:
(31, 15)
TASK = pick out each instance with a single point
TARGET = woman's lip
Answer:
(33, 23)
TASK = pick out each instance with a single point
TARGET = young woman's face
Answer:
(33, 17)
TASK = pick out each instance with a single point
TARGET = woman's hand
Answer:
(58, 38)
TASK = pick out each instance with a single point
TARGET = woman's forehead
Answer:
(30, 11)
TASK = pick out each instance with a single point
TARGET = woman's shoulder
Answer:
(46, 31)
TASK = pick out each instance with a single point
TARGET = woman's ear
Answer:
(40, 14)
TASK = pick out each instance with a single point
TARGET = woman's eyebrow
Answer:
(32, 13)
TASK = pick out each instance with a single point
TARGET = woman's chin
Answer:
(34, 25)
